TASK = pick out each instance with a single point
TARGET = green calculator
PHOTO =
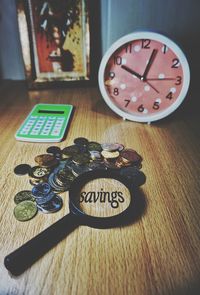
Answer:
(45, 123)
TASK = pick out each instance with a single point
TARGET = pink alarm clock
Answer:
(144, 76)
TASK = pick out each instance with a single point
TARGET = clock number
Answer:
(116, 91)
(146, 43)
(111, 75)
(175, 63)
(140, 108)
(128, 48)
(117, 60)
(169, 95)
(178, 80)
(127, 102)
(156, 105)
(164, 49)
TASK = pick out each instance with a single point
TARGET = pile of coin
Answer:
(55, 171)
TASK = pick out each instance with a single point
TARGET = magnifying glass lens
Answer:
(104, 197)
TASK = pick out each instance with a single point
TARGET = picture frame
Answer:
(55, 41)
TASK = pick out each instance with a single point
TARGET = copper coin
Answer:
(44, 159)
(131, 155)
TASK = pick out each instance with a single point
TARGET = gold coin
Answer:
(110, 155)
(25, 210)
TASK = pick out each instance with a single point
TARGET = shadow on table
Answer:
(189, 288)
(138, 209)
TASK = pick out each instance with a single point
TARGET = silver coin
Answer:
(95, 155)
(45, 199)
(120, 146)
(52, 183)
(53, 206)
(78, 170)
(69, 164)
(60, 166)
(55, 186)
(23, 196)
(110, 147)
(64, 186)
(41, 190)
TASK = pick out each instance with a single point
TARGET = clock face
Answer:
(145, 79)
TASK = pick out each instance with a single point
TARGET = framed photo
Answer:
(55, 40)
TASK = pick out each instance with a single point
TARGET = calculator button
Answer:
(34, 133)
(58, 127)
(55, 130)
(44, 133)
(54, 133)
(33, 117)
(25, 129)
(23, 132)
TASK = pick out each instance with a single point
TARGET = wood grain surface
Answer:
(158, 253)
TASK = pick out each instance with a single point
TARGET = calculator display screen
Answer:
(50, 112)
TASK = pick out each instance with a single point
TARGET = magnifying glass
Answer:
(99, 199)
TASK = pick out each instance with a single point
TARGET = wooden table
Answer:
(158, 253)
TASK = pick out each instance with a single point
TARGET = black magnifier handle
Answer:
(22, 258)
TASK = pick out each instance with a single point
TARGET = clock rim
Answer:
(152, 36)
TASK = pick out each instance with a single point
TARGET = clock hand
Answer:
(138, 76)
(146, 81)
(151, 59)
(160, 79)
(131, 71)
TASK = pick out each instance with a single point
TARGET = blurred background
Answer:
(112, 19)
